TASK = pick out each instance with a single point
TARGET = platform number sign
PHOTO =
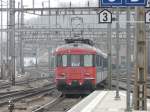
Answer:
(105, 16)
(147, 17)
(148, 4)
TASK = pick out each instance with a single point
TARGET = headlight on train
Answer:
(69, 83)
(62, 76)
(87, 74)
(80, 83)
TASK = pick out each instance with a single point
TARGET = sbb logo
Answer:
(123, 3)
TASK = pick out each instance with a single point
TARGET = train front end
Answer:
(75, 70)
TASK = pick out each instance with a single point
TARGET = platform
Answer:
(103, 101)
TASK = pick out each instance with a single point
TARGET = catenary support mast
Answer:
(140, 89)
(12, 40)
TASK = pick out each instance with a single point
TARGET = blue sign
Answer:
(123, 3)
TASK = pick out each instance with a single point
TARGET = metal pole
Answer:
(36, 57)
(7, 48)
(42, 4)
(33, 4)
(117, 60)
(140, 86)
(56, 18)
(18, 67)
(49, 13)
(2, 41)
(21, 43)
(128, 103)
(49, 59)
(7, 43)
(109, 55)
(12, 40)
(49, 27)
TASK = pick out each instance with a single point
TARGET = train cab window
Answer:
(64, 60)
(88, 60)
(94, 60)
(75, 60)
(58, 60)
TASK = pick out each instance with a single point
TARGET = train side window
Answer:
(105, 63)
(97, 60)
(100, 61)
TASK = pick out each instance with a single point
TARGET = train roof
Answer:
(80, 40)
(82, 46)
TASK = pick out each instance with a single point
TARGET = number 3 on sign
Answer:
(105, 16)
(147, 17)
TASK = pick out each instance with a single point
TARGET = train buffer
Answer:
(103, 101)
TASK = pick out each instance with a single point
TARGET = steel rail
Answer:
(27, 94)
(49, 104)
(6, 85)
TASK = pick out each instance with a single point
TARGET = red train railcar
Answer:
(79, 67)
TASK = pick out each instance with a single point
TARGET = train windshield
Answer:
(64, 60)
(75, 60)
(88, 60)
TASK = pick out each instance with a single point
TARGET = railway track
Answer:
(24, 94)
(123, 78)
(7, 85)
(62, 104)
(123, 85)
(59, 104)
(49, 104)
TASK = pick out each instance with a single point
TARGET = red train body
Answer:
(76, 68)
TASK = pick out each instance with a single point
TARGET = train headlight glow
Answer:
(69, 83)
(62, 76)
(80, 83)
(87, 74)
